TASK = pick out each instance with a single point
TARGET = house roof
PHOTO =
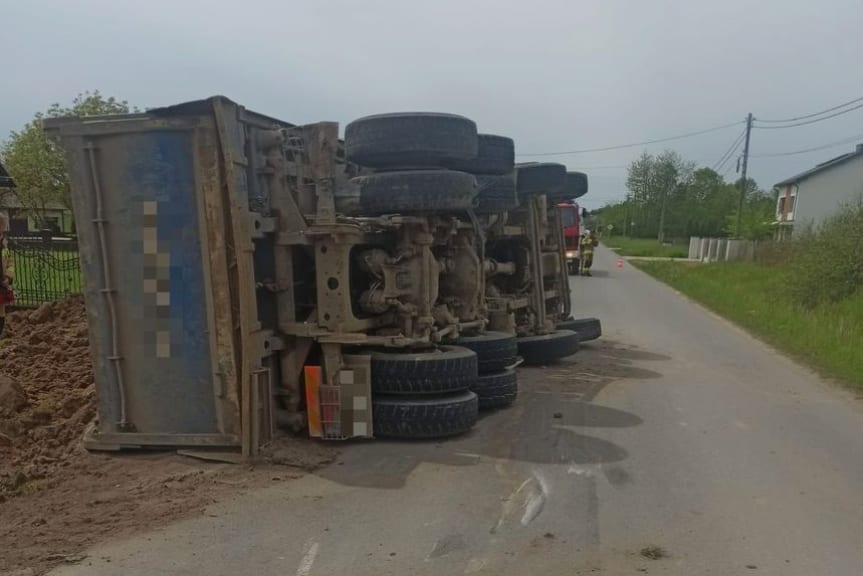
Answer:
(6, 180)
(823, 166)
(12, 201)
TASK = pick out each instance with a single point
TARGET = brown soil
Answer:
(46, 383)
(56, 499)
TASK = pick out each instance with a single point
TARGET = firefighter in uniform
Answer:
(587, 246)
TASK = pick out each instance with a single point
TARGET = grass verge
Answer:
(646, 247)
(829, 337)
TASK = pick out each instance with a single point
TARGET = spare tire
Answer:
(410, 140)
(438, 371)
(587, 328)
(495, 194)
(548, 348)
(416, 191)
(494, 350)
(540, 178)
(418, 418)
(495, 155)
(575, 187)
(496, 389)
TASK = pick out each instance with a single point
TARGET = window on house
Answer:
(786, 205)
(52, 223)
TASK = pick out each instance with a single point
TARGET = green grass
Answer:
(828, 337)
(646, 247)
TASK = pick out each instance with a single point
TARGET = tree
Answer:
(37, 163)
(669, 197)
(759, 213)
(709, 200)
(672, 173)
(658, 186)
(639, 183)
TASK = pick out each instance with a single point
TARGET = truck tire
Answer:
(494, 350)
(587, 328)
(496, 389)
(417, 418)
(410, 140)
(548, 348)
(439, 371)
(496, 194)
(539, 178)
(495, 155)
(575, 187)
(416, 191)
(576, 184)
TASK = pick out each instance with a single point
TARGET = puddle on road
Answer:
(598, 364)
(550, 423)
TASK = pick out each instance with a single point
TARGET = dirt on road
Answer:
(56, 499)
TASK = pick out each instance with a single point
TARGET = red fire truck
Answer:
(570, 216)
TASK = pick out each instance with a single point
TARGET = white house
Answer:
(812, 196)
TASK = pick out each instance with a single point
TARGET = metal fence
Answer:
(47, 268)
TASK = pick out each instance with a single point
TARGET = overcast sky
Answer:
(554, 75)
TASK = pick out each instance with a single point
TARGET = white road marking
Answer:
(508, 506)
(535, 502)
(308, 560)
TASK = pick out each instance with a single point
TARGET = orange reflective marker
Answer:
(313, 376)
(620, 263)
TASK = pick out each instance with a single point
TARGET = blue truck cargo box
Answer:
(162, 210)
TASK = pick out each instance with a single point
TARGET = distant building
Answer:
(54, 216)
(812, 196)
(6, 180)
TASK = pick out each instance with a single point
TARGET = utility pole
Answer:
(743, 173)
(661, 236)
(626, 221)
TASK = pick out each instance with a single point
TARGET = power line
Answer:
(634, 144)
(729, 157)
(717, 166)
(804, 117)
(725, 171)
(813, 121)
(582, 168)
(848, 140)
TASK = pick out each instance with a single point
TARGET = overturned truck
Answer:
(242, 273)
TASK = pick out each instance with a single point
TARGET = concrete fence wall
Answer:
(721, 249)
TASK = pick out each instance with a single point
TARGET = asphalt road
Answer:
(675, 431)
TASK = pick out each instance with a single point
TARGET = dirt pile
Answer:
(47, 394)
(56, 499)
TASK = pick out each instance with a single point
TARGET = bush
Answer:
(828, 261)
(775, 253)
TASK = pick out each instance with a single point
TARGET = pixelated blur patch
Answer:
(156, 288)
